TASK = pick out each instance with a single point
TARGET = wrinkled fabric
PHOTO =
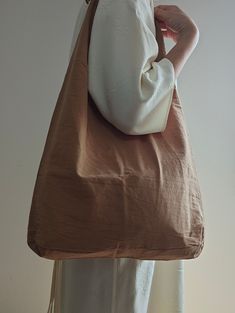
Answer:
(106, 285)
(116, 285)
(102, 193)
(138, 90)
(121, 285)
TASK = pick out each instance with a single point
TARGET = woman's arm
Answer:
(180, 27)
(130, 89)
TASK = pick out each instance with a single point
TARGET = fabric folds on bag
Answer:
(102, 193)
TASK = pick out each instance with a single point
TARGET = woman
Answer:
(123, 70)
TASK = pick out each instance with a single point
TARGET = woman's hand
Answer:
(175, 24)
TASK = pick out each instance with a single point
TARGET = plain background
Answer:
(35, 41)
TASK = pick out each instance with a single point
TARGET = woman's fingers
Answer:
(176, 21)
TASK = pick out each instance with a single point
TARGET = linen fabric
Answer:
(121, 285)
(101, 192)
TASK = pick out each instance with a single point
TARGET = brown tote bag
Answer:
(102, 193)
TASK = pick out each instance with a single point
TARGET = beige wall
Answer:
(35, 41)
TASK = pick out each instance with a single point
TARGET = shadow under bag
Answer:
(102, 193)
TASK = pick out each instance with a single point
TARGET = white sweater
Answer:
(130, 89)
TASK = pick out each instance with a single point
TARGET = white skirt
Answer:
(121, 285)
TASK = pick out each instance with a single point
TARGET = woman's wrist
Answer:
(189, 38)
(182, 50)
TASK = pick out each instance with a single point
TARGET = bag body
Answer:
(102, 193)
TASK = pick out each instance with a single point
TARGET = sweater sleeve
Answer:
(131, 90)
